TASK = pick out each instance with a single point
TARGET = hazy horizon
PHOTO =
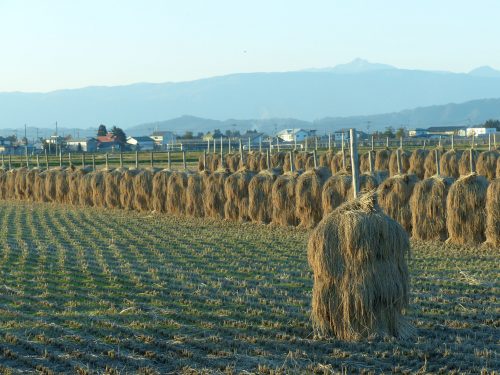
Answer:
(55, 45)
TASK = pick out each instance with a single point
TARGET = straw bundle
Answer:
(449, 163)
(260, 196)
(194, 195)
(364, 162)
(50, 185)
(98, 189)
(286, 161)
(308, 191)
(236, 190)
(278, 159)
(498, 168)
(85, 190)
(361, 282)
(176, 193)
(159, 190)
(30, 184)
(253, 160)
(464, 163)
(20, 183)
(283, 200)
(326, 158)
(404, 157)
(39, 187)
(465, 206)
(394, 198)
(430, 162)
(62, 187)
(112, 188)
(10, 184)
(143, 186)
(382, 158)
(487, 164)
(428, 208)
(3, 188)
(214, 196)
(74, 180)
(127, 194)
(417, 163)
(493, 213)
(301, 159)
(233, 162)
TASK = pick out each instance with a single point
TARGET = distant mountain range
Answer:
(344, 94)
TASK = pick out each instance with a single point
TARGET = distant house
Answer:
(88, 144)
(418, 132)
(290, 135)
(210, 137)
(253, 137)
(141, 143)
(446, 130)
(163, 139)
(107, 142)
(480, 131)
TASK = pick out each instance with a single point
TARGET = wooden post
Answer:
(373, 146)
(370, 160)
(169, 161)
(268, 159)
(208, 145)
(205, 161)
(260, 144)
(136, 159)
(305, 141)
(10, 161)
(401, 143)
(229, 144)
(69, 160)
(495, 143)
(438, 167)
(294, 142)
(316, 143)
(121, 159)
(489, 142)
(452, 142)
(398, 159)
(472, 146)
(60, 158)
(37, 161)
(291, 161)
(46, 159)
(354, 162)
(315, 159)
(472, 164)
(241, 150)
(439, 143)
(249, 144)
(221, 151)
(387, 142)
(184, 159)
(106, 158)
(93, 161)
(329, 141)
(152, 159)
(214, 146)
(83, 159)
(278, 144)
(343, 153)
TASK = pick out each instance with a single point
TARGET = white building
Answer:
(82, 144)
(290, 135)
(164, 138)
(141, 143)
(417, 132)
(477, 132)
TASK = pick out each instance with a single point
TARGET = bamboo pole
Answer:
(106, 158)
(438, 167)
(38, 161)
(136, 159)
(472, 164)
(291, 161)
(152, 159)
(93, 161)
(354, 162)
(329, 141)
(184, 159)
(169, 161)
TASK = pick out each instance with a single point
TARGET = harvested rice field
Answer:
(87, 290)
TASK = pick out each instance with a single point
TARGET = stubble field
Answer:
(95, 291)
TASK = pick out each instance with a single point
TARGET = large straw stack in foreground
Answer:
(159, 190)
(361, 283)
(260, 196)
(233, 162)
(493, 213)
(404, 157)
(449, 163)
(466, 214)
(85, 190)
(382, 158)
(214, 196)
(143, 185)
(308, 206)
(176, 193)
(335, 192)
(20, 183)
(62, 186)
(112, 188)
(428, 208)
(487, 164)
(430, 162)
(98, 189)
(326, 159)
(50, 185)
(464, 163)
(30, 183)
(236, 191)
(283, 200)
(74, 181)
(417, 163)
(394, 198)
(194, 195)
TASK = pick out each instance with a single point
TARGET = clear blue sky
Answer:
(54, 44)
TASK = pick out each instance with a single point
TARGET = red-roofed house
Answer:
(107, 142)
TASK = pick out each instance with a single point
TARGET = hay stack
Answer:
(308, 194)
(283, 200)
(30, 183)
(428, 208)
(85, 189)
(236, 191)
(74, 181)
(286, 161)
(3, 179)
(464, 163)
(194, 195)
(50, 185)
(62, 187)
(493, 213)
(233, 162)
(301, 160)
(176, 193)
(498, 168)
(382, 158)
(336, 163)
(278, 159)
(159, 190)
(326, 158)
(127, 195)
(430, 162)
(20, 183)
(98, 189)
(361, 281)
(393, 162)
(394, 198)
(112, 188)
(39, 187)
(449, 163)
(417, 163)
(487, 164)
(253, 160)
(10, 184)
(260, 188)
(214, 196)
(364, 162)
(143, 186)
(466, 213)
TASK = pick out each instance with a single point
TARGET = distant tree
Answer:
(11, 138)
(400, 132)
(199, 135)
(217, 133)
(389, 132)
(102, 130)
(492, 124)
(119, 135)
(228, 133)
(79, 147)
(188, 135)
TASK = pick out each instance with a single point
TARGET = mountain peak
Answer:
(358, 65)
(485, 71)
